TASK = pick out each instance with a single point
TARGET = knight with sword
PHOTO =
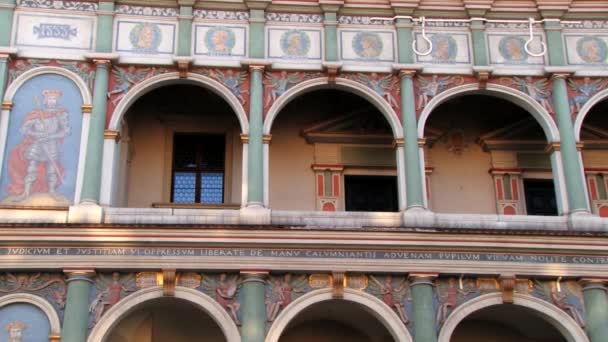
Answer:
(34, 164)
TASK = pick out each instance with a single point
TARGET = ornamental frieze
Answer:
(85, 70)
(59, 4)
(294, 18)
(427, 87)
(147, 11)
(235, 80)
(108, 291)
(386, 86)
(50, 286)
(538, 88)
(581, 90)
(277, 83)
(220, 15)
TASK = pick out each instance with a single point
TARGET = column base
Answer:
(85, 213)
(418, 217)
(254, 214)
(585, 221)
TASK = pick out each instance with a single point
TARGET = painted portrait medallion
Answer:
(21, 322)
(511, 48)
(145, 37)
(295, 43)
(592, 49)
(367, 45)
(42, 148)
(444, 48)
(220, 41)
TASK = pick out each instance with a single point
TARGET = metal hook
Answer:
(428, 41)
(544, 47)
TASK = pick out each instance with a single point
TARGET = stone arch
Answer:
(26, 76)
(40, 303)
(582, 114)
(170, 78)
(526, 102)
(552, 314)
(341, 84)
(204, 302)
(376, 307)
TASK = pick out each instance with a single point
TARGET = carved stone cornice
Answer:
(331, 5)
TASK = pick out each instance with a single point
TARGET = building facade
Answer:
(329, 170)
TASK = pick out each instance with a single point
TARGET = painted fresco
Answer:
(51, 31)
(582, 89)
(294, 43)
(367, 46)
(277, 83)
(385, 85)
(21, 322)
(591, 49)
(448, 48)
(394, 292)
(450, 293)
(144, 37)
(537, 88)
(43, 144)
(282, 290)
(225, 289)
(218, 41)
(508, 49)
(109, 290)
(51, 286)
(566, 295)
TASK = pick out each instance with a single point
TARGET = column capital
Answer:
(558, 72)
(594, 283)
(7, 52)
(111, 135)
(422, 278)
(407, 70)
(85, 274)
(254, 276)
(255, 64)
(101, 57)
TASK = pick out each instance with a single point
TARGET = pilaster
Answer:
(596, 306)
(184, 39)
(480, 54)
(414, 180)
(575, 181)
(257, 22)
(105, 25)
(7, 7)
(253, 306)
(4, 60)
(423, 311)
(330, 23)
(75, 319)
(555, 44)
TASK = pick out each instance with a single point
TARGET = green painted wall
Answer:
(404, 37)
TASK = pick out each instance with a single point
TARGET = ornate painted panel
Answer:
(294, 43)
(214, 41)
(40, 159)
(108, 290)
(507, 49)
(365, 45)
(448, 48)
(589, 49)
(53, 31)
(23, 322)
(50, 286)
(139, 37)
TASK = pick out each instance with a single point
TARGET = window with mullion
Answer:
(198, 168)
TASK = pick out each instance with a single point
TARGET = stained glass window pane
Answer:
(212, 187)
(184, 187)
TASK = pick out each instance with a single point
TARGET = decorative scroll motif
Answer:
(283, 290)
(146, 10)
(537, 88)
(224, 288)
(295, 18)
(57, 31)
(394, 292)
(59, 4)
(427, 89)
(386, 86)
(82, 69)
(277, 84)
(512, 26)
(587, 24)
(22, 65)
(566, 295)
(124, 78)
(452, 292)
(109, 290)
(236, 81)
(446, 24)
(220, 15)
(51, 286)
(582, 90)
(361, 20)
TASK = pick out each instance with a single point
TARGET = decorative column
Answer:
(76, 316)
(184, 40)
(4, 60)
(423, 311)
(105, 24)
(414, 180)
(255, 156)
(7, 7)
(253, 306)
(575, 181)
(480, 49)
(596, 306)
(257, 20)
(330, 27)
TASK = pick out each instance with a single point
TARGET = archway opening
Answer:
(180, 146)
(334, 149)
(336, 321)
(486, 155)
(165, 319)
(594, 139)
(505, 323)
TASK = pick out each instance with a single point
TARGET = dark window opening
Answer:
(540, 197)
(198, 168)
(371, 193)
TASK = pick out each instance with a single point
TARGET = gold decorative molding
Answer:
(507, 286)
(257, 67)
(169, 282)
(115, 135)
(7, 105)
(421, 142)
(338, 284)
(356, 281)
(54, 337)
(267, 138)
(87, 108)
(579, 146)
(320, 281)
(407, 73)
(552, 147)
(560, 75)
(86, 273)
(399, 142)
(245, 138)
